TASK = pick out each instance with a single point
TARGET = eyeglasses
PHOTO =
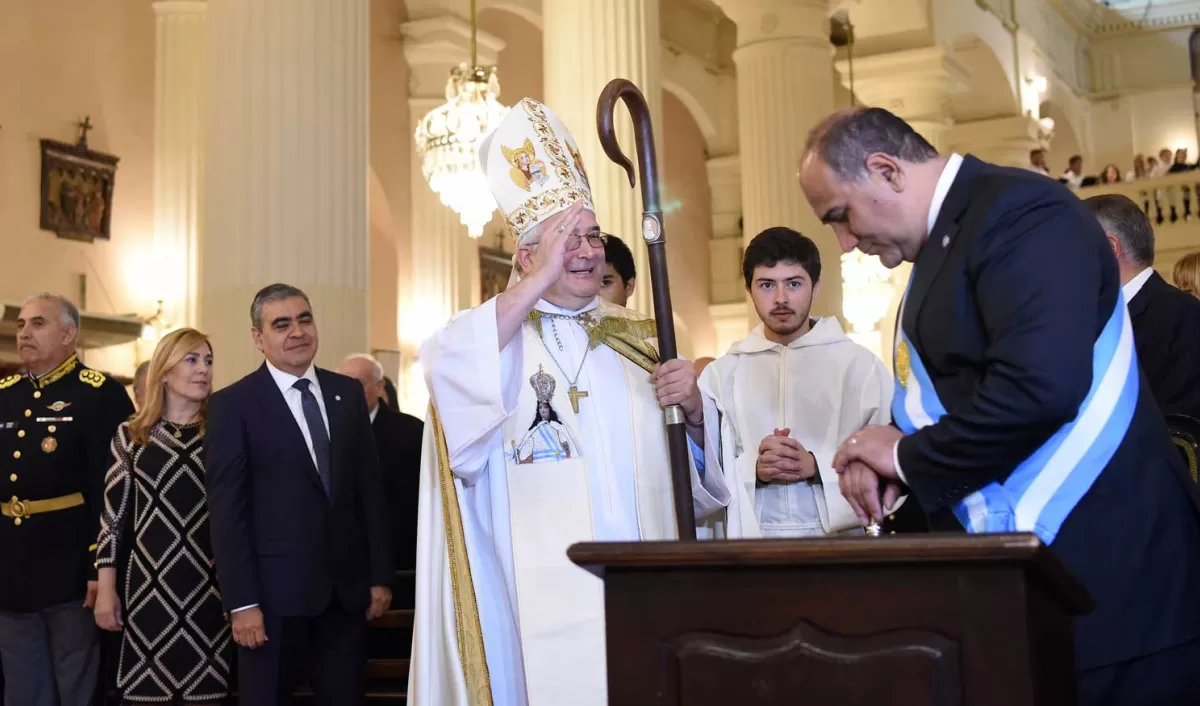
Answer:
(596, 240)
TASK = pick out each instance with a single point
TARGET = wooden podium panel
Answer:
(936, 620)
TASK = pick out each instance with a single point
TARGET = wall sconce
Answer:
(1046, 129)
(1038, 83)
(153, 328)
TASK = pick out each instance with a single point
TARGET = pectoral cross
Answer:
(574, 394)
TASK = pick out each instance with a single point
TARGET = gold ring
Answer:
(853, 440)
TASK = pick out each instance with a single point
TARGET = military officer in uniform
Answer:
(56, 423)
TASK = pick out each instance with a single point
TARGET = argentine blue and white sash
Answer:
(1043, 490)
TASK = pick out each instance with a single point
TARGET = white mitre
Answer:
(533, 167)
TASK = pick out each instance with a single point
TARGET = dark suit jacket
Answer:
(1166, 330)
(1005, 316)
(277, 539)
(398, 439)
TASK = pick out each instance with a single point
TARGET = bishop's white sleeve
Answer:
(473, 385)
(710, 493)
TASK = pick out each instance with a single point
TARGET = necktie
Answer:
(316, 429)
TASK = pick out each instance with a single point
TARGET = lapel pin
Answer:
(945, 240)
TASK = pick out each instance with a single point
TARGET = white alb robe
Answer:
(541, 617)
(823, 387)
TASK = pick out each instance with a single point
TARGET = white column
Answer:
(916, 85)
(585, 44)
(286, 170)
(785, 87)
(179, 100)
(445, 260)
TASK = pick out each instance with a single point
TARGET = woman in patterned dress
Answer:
(176, 646)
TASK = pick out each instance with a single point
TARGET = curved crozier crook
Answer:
(617, 89)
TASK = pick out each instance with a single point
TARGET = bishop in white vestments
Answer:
(786, 396)
(545, 430)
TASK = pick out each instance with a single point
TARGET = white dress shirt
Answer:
(1133, 286)
(292, 396)
(940, 191)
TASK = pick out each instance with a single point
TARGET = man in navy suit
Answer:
(296, 509)
(1019, 404)
(1166, 320)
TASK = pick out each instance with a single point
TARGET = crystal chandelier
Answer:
(448, 140)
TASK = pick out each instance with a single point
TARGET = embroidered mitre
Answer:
(533, 167)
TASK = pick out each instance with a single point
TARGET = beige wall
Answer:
(63, 60)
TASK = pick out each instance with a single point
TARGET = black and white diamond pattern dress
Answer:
(176, 645)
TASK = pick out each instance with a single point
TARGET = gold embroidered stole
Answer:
(628, 333)
(466, 609)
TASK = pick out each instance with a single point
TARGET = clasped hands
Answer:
(867, 472)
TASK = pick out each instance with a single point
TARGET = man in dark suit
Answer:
(398, 440)
(1019, 402)
(296, 513)
(1166, 321)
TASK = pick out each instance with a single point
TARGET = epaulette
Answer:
(9, 381)
(95, 378)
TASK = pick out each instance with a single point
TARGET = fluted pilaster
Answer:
(286, 169)
(179, 99)
(785, 87)
(587, 43)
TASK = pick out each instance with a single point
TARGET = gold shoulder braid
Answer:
(627, 336)
(95, 378)
(9, 381)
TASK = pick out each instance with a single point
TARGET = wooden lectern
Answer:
(929, 620)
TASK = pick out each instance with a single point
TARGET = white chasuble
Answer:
(822, 387)
(503, 617)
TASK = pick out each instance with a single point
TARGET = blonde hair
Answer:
(1187, 274)
(170, 350)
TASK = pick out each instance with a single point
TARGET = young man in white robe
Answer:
(546, 429)
(787, 395)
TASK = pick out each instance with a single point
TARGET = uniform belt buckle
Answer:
(19, 509)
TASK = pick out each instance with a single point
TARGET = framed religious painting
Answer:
(77, 190)
(495, 267)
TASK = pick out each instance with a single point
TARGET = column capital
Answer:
(769, 20)
(180, 7)
(434, 45)
(915, 84)
(1005, 140)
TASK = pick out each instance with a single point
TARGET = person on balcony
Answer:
(1181, 162)
(1140, 170)
(1166, 321)
(1164, 163)
(1073, 177)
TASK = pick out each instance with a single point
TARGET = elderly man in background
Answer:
(139, 384)
(55, 425)
(398, 440)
